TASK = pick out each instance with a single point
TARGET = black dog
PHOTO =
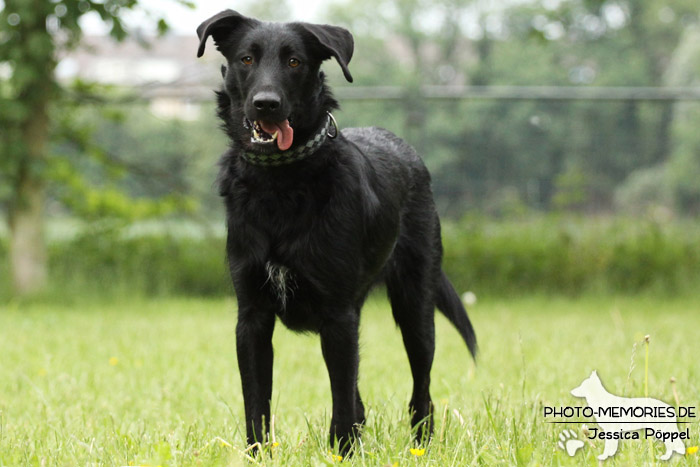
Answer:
(317, 217)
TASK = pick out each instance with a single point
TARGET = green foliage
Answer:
(107, 161)
(495, 258)
(571, 187)
(106, 263)
(572, 256)
(29, 47)
(673, 183)
(38, 31)
(478, 149)
(34, 33)
(554, 155)
(4, 268)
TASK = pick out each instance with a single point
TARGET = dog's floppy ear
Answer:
(219, 26)
(332, 41)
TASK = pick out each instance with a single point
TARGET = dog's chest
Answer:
(281, 281)
(291, 293)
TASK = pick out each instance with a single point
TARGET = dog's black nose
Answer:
(267, 101)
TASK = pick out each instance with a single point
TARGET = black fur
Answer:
(307, 241)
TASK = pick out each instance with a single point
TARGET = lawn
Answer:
(155, 383)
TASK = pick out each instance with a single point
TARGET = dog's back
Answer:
(394, 161)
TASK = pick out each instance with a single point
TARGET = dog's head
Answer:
(274, 91)
(588, 386)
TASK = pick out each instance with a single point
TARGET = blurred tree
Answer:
(108, 163)
(645, 30)
(631, 42)
(420, 41)
(586, 43)
(267, 10)
(33, 32)
(683, 166)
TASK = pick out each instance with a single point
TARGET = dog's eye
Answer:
(247, 60)
(294, 62)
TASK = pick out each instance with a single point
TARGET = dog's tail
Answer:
(449, 303)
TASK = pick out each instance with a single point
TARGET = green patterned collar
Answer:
(328, 130)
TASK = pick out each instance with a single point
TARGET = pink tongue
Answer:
(285, 133)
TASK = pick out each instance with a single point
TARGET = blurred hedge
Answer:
(573, 256)
(149, 265)
(547, 255)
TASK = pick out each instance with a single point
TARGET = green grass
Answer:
(155, 383)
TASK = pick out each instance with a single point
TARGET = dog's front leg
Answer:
(339, 343)
(254, 348)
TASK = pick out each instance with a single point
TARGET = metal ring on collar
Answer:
(332, 134)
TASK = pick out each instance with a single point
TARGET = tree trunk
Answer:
(26, 218)
(33, 50)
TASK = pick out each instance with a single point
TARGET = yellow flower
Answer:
(113, 361)
(334, 457)
(417, 452)
(691, 450)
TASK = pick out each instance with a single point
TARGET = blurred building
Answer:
(165, 71)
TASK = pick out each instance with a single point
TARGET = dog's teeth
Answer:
(258, 135)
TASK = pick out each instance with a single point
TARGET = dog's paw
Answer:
(568, 442)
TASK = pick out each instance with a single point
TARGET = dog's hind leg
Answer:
(409, 286)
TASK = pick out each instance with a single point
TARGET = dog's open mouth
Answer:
(264, 132)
